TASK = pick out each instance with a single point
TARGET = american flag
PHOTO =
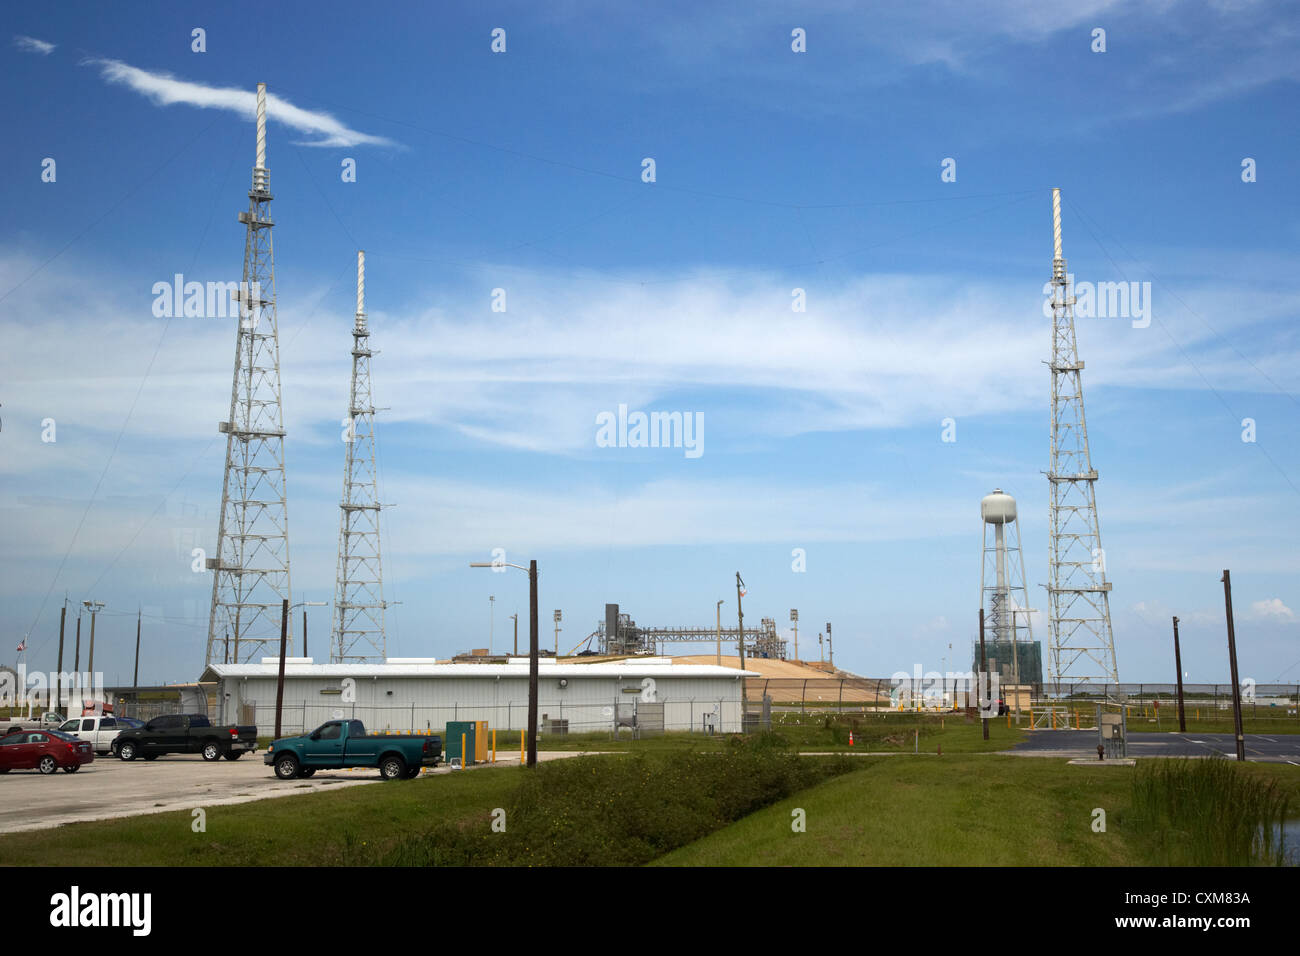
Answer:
(22, 645)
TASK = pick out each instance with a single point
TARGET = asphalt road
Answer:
(1266, 748)
(111, 788)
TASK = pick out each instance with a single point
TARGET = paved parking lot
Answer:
(111, 788)
(1266, 748)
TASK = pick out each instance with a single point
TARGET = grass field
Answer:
(963, 808)
(958, 811)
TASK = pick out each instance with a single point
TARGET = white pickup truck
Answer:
(47, 721)
(99, 732)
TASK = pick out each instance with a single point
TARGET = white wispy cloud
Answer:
(166, 90)
(1271, 609)
(33, 45)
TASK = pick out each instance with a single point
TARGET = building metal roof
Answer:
(631, 668)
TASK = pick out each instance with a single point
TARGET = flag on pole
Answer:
(22, 645)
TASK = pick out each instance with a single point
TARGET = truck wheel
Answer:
(126, 751)
(234, 754)
(392, 767)
(212, 750)
(412, 773)
(73, 769)
(286, 767)
(48, 765)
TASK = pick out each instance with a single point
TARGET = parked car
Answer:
(47, 721)
(44, 750)
(185, 734)
(344, 743)
(99, 731)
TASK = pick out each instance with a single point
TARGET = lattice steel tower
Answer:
(357, 632)
(1082, 646)
(251, 567)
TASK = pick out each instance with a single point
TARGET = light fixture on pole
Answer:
(719, 610)
(531, 731)
(794, 619)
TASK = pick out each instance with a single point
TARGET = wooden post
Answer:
(279, 684)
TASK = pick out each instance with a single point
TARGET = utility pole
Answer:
(304, 633)
(515, 618)
(63, 615)
(76, 660)
(982, 677)
(821, 655)
(830, 648)
(794, 618)
(557, 632)
(492, 613)
(135, 676)
(1232, 657)
(1178, 663)
(740, 623)
(532, 663)
(279, 684)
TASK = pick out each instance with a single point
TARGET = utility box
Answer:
(1110, 728)
(455, 730)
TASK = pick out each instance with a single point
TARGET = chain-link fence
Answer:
(633, 718)
(936, 692)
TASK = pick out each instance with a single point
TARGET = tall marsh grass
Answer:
(1209, 812)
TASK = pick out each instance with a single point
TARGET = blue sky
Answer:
(774, 170)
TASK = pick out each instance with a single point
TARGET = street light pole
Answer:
(515, 618)
(531, 731)
(719, 611)
(94, 607)
(794, 618)
(492, 611)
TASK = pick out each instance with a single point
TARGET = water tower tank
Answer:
(998, 508)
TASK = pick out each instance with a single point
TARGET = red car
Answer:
(44, 750)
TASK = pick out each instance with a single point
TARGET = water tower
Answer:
(1012, 652)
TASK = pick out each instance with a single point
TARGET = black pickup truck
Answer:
(185, 734)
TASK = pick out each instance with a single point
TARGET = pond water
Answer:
(1291, 841)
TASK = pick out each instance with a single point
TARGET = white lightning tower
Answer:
(357, 632)
(1082, 648)
(251, 567)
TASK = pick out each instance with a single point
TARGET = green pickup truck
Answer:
(338, 744)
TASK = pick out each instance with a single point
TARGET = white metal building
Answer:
(418, 694)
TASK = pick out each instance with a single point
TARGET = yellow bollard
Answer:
(522, 735)
(494, 745)
(463, 764)
(1053, 718)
